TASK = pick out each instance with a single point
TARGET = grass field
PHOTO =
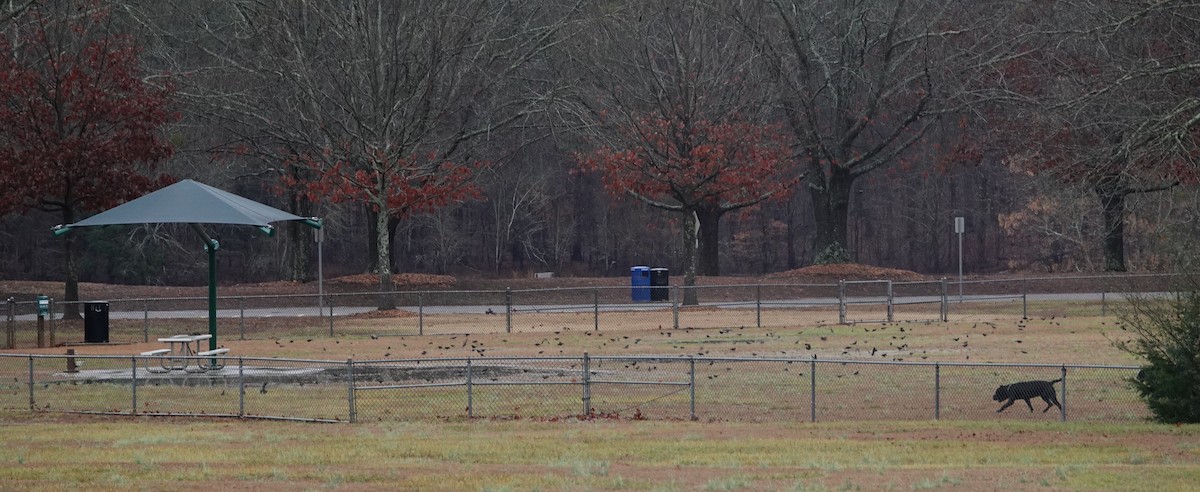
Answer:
(55, 451)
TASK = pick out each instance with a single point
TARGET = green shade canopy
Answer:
(190, 202)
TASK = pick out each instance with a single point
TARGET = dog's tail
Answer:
(1056, 380)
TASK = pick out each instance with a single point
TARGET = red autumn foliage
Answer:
(80, 128)
(413, 184)
(696, 163)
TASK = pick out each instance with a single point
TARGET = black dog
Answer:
(1027, 390)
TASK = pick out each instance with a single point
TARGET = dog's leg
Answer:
(1006, 405)
(1051, 401)
(1030, 405)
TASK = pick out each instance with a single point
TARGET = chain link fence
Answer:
(695, 388)
(591, 308)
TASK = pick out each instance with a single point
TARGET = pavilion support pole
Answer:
(210, 245)
(212, 294)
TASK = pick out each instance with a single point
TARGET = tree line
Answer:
(500, 137)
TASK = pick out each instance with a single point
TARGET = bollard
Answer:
(72, 367)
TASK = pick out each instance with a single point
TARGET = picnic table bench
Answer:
(180, 353)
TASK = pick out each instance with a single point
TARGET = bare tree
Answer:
(385, 104)
(1113, 108)
(860, 83)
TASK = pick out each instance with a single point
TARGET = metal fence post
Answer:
(675, 300)
(891, 302)
(945, 302)
(937, 392)
(133, 384)
(331, 315)
(758, 305)
(31, 404)
(596, 309)
(1024, 306)
(350, 388)
(508, 309)
(242, 317)
(145, 321)
(241, 387)
(812, 390)
(692, 386)
(10, 330)
(52, 322)
(1103, 304)
(1063, 407)
(420, 313)
(470, 392)
(587, 385)
(841, 302)
(41, 330)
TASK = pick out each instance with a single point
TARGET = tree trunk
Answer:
(392, 226)
(831, 206)
(70, 303)
(709, 241)
(297, 252)
(299, 240)
(372, 253)
(383, 263)
(1112, 198)
(690, 247)
(792, 262)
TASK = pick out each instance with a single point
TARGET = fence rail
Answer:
(697, 388)
(759, 305)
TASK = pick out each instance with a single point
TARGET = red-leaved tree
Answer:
(700, 168)
(79, 127)
(393, 187)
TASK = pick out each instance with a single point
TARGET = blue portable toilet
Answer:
(639, 281)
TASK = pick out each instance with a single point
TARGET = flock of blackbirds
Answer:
(888, 341)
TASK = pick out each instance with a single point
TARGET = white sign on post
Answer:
(960, 225)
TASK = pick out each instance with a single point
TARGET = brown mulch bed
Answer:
(848, 271)
(400, 280)
(386, 313)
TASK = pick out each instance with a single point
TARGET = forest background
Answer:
(499, 138)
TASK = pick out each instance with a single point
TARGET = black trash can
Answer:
(660, 284)
(95, 322)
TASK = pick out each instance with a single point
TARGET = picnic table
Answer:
(181, 352)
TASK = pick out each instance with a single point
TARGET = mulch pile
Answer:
(388, 313)
(400, 280)
(848, 271)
